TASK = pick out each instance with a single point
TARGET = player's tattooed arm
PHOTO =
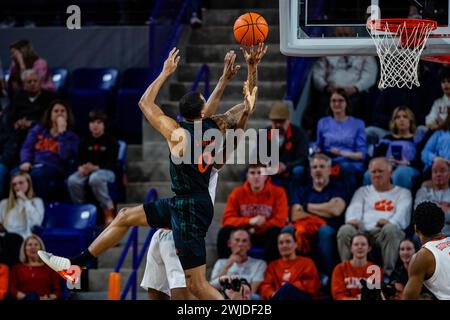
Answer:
(229, 71)
(153, 113)
(421, 267)
(253, 58)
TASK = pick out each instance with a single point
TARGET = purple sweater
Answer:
(40, 147)
(348, 135)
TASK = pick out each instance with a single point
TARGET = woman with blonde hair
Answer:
(32, 279)
(18, 215)
(400, 147)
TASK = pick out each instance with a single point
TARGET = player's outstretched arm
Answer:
(229, 71)
(419, 268)
(152, 112)
(253, 57)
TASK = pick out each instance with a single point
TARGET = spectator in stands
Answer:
(439, 110)
(259, 206)
(4, 280)
(47, 149)
(291, 277)
(9, 147)
(353, 74)
(293, 147)
(30, 103)
(316, 211)
(32, 279)
(399, 277)
(24, 57)
(18, 215)
(97, 158)
(437, 190)
(345, 282)
(438, 146)
(400, 148)
(342, 137)
(239, 263)
(380, 209)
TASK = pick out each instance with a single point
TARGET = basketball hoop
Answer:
(399, 44)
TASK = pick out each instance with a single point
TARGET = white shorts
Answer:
(163, 270)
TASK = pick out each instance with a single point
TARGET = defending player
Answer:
(189, 213)
(430, 266)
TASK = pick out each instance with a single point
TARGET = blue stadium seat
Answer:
(68, 229)
(94, 78)
(6, 74)
(129, 116)
(117, 188)
(59, 76)
(257, 252)
(136, 78)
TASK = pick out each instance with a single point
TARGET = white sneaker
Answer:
(60, 264)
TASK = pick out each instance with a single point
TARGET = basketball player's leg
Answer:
(199, 286)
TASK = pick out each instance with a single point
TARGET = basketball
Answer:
(250, 29)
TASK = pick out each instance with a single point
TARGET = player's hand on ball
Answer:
(255, 55)
(171, 63)
(229, 68)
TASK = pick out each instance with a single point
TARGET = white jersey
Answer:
(439, 283)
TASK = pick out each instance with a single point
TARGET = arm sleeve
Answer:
(68, 145)
(3, 205)
(320, 140)
(430, 119)
(429, 151)
(368, 74)
(4, 280)
(27, 150)
(360, 142)
(280, 210)
(309, 280)
(338, 288)
(301, 150)
(34, 209)
(355, 209)
(231, 213)
(267, 287)
(402, 215)
(215, 271)
(259, 271)
(421, 196)
(319, 74)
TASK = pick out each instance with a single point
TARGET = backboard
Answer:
(338, 27)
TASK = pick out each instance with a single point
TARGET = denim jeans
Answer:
(326, 250)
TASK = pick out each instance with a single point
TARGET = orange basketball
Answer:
(250, 29)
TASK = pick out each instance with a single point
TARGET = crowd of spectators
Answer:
(44, 160)
(372, 159)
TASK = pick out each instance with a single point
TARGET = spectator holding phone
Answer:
(399, 147)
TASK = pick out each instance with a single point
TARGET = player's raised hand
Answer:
(171, 63)
(255, 54)
(229, 68)
(249, 98)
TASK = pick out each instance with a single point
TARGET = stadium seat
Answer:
(136, 78)
(117, 188)
(257, 252)
(59, 76)
(94, 78)
(68, 228)
(128, 115)
(6, 74)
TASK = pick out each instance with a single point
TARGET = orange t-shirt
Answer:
(4, 280)
(301, 272)
(345, 283)
(244, 204)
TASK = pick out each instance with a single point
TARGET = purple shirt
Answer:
(347, 135)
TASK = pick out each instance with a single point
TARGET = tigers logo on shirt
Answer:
(384, 205)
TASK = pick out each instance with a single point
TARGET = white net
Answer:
(399, 46)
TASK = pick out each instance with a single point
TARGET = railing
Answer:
(133, 241)
(204, 73)
(156, 61)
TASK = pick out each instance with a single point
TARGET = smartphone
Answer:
(397, 152)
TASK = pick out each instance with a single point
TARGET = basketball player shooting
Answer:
(189, 213)
(430, 266)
